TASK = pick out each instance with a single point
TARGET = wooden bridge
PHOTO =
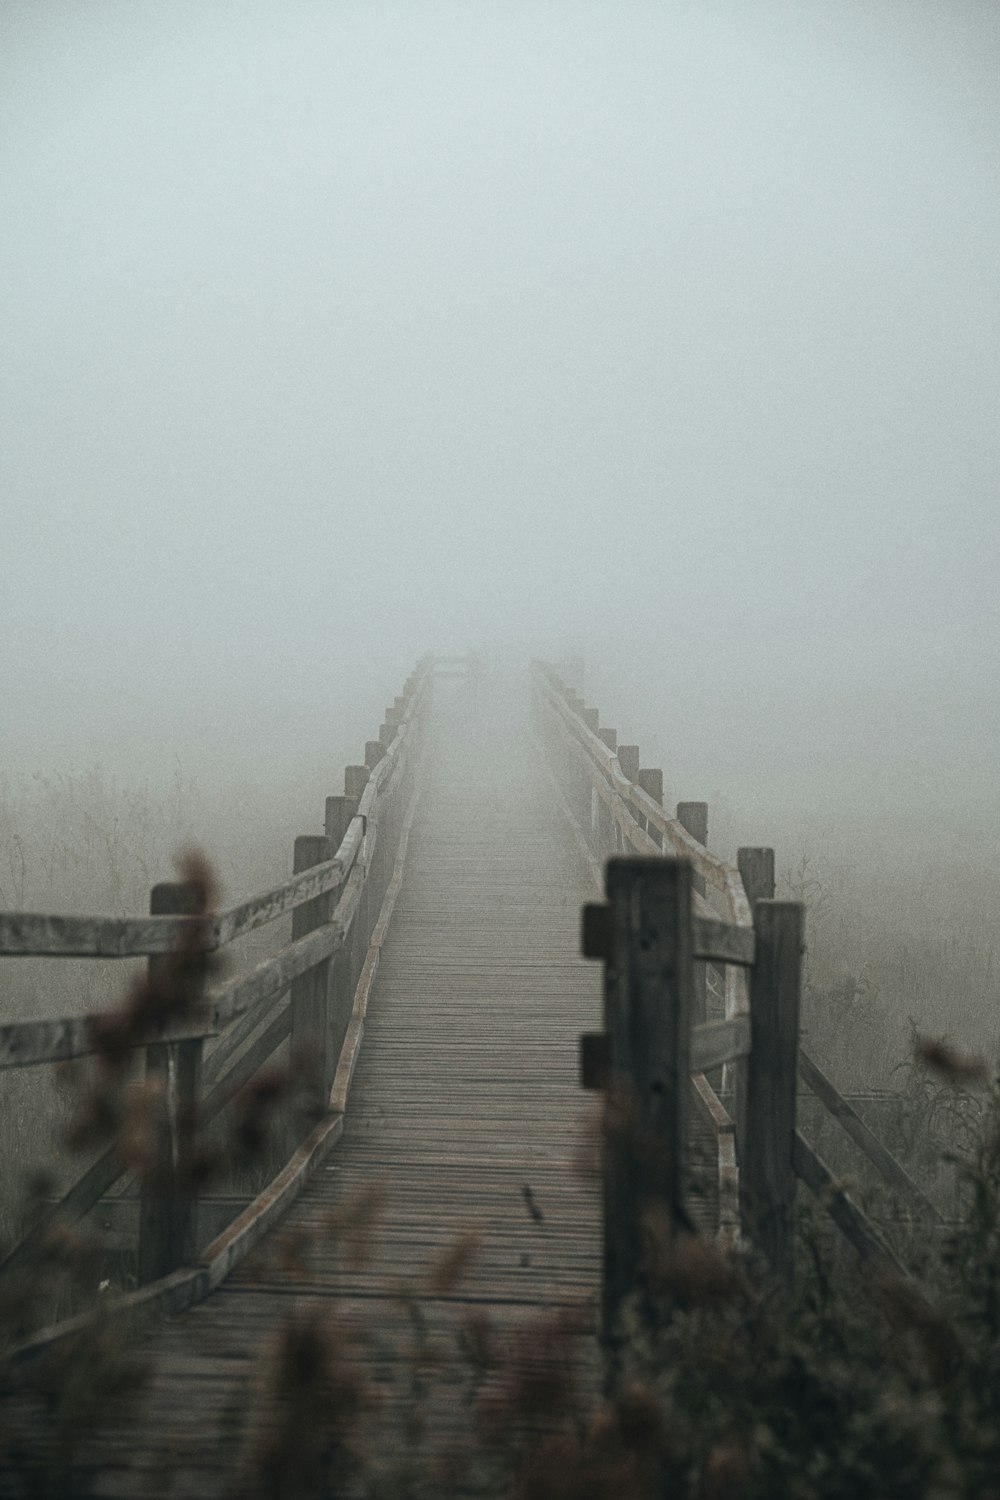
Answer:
(438, 1019)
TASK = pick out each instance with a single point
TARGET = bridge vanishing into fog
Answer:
(442, 1218)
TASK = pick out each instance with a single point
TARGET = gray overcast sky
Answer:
(336, 332)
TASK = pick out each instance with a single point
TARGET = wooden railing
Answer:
(673, 919)
(311, 993)
(680, 930)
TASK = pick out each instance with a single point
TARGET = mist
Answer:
(664, 334)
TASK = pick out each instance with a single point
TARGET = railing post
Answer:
(647, 1008)
(651, 782)
(767, 1177)
(167, 1196)
(309, 1038)
(605, 821)
(693, 816)
(628, 760)
(355, 781)
(756, 867)
(389, 727)
(339, 812)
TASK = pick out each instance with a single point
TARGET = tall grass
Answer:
(90, 841)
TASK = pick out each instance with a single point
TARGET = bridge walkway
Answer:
(465, 1121)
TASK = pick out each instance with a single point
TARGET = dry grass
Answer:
(86, 842)
(732, 1389)
(728, 1388)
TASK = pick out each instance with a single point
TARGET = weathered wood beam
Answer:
(767, 1177)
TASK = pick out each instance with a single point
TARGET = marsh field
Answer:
(883, 1404)
(898, 949)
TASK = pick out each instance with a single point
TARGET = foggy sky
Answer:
(333, 333)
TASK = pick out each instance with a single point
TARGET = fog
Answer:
(664, 334)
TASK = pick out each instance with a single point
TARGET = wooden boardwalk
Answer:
(466, 1128)
(421, 1303)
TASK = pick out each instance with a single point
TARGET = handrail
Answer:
(335, 904)
(863, 1137)
(708, 865)
(628, 802)
(633, 811)
(35, 934)
(634, 821)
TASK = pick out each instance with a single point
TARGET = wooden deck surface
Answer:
(466, 1126)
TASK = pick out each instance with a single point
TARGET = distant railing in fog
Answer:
(312, 993)
(707, 917)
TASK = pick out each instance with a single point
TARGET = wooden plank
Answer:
(234, 1038)
(676, 838)
(239, 1073)
(84, 1195)
(717, 1042)
(693, 818)
(26, 933)
(849, 1218)
(723, 942)
(863, 1137)
(29, 933)
(724, 1128)
(249, 1228)
(355, 1030)
(78, 1201)
(463, 1109)
(41, 934)
(272, 976)
(170, 1295)
(26, 1043)
(116, 1220)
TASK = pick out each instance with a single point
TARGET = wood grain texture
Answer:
(767, 1178)
(23, 933)
(864, 1137)
(465, 1114)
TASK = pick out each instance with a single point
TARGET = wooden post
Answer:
(651, 782)
(693, 816)
(393, 719)
(355, 781)
(605, 822)
(628, 759)
(583, 798)
(756, 867)
(167, 1198)
(309, 1038)
(339, 812)
(767, 1177)
(647, 1002)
